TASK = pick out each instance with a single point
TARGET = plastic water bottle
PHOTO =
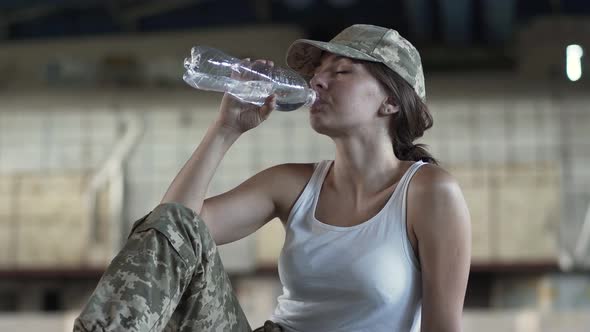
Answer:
(212, 70)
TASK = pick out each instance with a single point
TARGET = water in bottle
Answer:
(211, 69)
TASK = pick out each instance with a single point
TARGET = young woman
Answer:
(376, 240)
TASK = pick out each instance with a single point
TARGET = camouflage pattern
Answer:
(167, 277)
(363, 42)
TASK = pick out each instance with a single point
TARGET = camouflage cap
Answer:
(363, 42)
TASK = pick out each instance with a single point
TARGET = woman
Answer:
(376, 240)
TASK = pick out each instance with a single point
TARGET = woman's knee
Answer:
(181, 226)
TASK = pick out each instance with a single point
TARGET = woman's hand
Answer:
(239, 116)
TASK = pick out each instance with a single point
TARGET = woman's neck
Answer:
(364, 168)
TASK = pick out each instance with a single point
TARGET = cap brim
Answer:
(303, 55)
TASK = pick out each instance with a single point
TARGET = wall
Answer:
(153, 58)
(65, 102)
(518, 147)
(517, 154)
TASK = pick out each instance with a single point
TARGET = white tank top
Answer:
(347, 279)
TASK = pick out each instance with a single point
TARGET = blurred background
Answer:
(95, 121)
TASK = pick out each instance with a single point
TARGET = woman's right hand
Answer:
(240, 116)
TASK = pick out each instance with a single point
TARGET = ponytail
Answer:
(412, 119)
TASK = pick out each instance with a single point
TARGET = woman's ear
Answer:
(388, 107)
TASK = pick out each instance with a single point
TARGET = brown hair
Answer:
(412, 119)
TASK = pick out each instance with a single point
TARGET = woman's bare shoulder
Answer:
(435, 194)
(288, 182)
(432, 178)
(293, 171)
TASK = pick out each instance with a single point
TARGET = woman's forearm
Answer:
(190, 185)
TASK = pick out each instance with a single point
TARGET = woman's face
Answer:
(349, 97)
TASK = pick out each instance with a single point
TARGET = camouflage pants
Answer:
(167, 277)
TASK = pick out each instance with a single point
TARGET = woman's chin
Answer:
(320, 127)
(316, 124)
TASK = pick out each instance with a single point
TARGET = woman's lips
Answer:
(315, 107)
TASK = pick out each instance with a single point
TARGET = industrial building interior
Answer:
(95, 122)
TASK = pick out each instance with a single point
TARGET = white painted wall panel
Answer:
(469, 132)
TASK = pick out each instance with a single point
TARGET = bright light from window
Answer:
(574, 55)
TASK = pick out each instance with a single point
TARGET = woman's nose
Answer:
(318, 81)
